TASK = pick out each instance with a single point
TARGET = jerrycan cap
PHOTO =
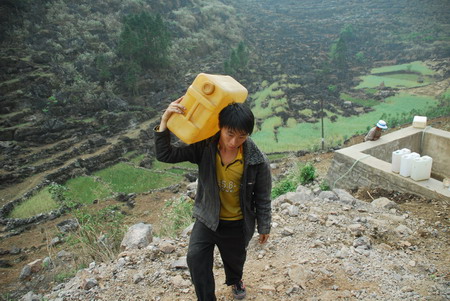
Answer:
(208, 88)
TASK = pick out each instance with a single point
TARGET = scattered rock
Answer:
(68, 225)
(89, 283)
(384, 203)
(30, 296)
(138, 236)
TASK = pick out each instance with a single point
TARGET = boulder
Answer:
(383, 203)
(138, 236)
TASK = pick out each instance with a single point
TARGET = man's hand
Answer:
(263, 238)
(174, 107)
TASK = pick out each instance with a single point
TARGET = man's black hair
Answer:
(237, 117)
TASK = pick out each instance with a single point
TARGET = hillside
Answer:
(422, 251)
(324, 246)
(77, 96)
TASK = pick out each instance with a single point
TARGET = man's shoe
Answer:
(239, 290)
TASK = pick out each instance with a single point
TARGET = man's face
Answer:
(231, 139)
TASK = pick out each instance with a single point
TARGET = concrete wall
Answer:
(392, 142)
(436, 144)
(368, 164)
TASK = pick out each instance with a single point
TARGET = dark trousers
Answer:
(230, 240)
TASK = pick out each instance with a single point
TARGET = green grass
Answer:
(266, 101)
(177, 215)
(306, 112)
(41, 202)
(128, 155)
(307, 136)
(122, 177)
(136, 160)
(80, 190)
(87, 189)
(398, 81)
(125, 178)
(363, 102)
(157, 165)
(416, 66)
(273, 157)
(446, 94)
(291, 122)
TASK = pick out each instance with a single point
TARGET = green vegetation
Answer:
(177, 215)
(307, 174)
(86, 189)
(446, 95)
(414, 74)
(119, 178)
(144, 42)
(275, 156)
(157, 165)
(299, 174)
(363, 102)
(126, 178)
(324, 186)
(238, 60)
(394, 81)
(306, 112)
(100, 233)
(65, 275)
(273, 136)
(41, 202)
(103, 63)
(338, 54)
(417, 66)
(266, 101)
(136, 160)
(307, 136)
(282, 187)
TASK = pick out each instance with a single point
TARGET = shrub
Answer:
(324, 186)
(307, 174)
(57, 192)
(283, 187)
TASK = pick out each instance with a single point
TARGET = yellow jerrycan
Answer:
(204, 99)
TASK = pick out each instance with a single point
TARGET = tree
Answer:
(338, 54)
(238, 60)
(144, 40)
(144, 43)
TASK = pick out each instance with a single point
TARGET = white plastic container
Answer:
(420, 122)
(406, 164)
(397, 157)
(421, 168)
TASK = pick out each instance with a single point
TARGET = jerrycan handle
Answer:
(208, 88)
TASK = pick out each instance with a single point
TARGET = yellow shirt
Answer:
(229, 180)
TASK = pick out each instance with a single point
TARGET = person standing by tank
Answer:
(233, 195)
(375, 132)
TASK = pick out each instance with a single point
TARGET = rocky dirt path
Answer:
(326, 246)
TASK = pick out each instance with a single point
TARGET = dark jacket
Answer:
(255, 189)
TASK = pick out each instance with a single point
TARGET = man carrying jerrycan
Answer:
(234, 187)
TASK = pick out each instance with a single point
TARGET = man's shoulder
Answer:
(253, 154)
